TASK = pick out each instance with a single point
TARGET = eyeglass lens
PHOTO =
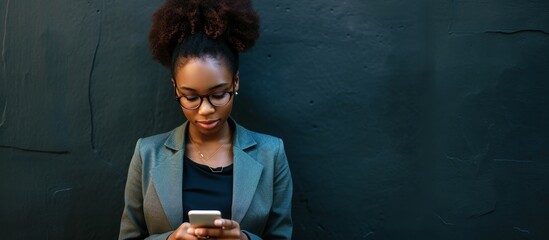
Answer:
(216, 99)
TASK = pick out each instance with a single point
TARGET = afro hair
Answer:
(233, 21)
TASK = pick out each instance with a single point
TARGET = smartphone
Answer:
(203, 218)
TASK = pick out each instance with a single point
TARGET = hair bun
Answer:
(234, 21)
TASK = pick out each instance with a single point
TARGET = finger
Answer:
(226, 223)
(229, 238)
(212, 232)
(185, 226)
(186, 237)
(217, 232)
(205, 237)
(181, 232)
(183, 235)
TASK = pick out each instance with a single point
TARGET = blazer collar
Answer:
(176, 139)
(169, 174)
(242, 139)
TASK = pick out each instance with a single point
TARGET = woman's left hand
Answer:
(227, 229)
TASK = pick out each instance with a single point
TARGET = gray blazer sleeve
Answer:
(279, 224)
(132, 225)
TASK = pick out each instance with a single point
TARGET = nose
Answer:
(206, 107)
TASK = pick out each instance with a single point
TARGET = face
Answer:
(205, 76)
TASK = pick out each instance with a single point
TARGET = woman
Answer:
(209, 162)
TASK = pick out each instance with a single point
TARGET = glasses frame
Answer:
(207, 96)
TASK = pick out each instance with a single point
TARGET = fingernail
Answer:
(218, 222)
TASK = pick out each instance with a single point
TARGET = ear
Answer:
(236, 81)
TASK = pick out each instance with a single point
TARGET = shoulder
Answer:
(248, 137)
(154, 150)
(155, 140)
(163, 142)
(264, 148)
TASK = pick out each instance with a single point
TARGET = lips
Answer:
(209, 124)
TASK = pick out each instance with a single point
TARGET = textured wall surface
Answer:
(402, 119)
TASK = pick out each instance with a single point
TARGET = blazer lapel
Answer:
(168, 178)
(247, 172)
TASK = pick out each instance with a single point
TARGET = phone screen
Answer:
(203, 218)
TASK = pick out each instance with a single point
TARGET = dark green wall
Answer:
(402, 119)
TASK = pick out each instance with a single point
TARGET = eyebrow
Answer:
(210, 89)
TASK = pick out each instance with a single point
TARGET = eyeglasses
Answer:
(216, 99)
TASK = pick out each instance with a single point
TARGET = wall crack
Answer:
(512, 160)
(35, 150)
(521, 230)
(90, 76)
(517, 32)
(443, 221)
(5, 33)
(3, 118)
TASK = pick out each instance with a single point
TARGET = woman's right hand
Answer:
(181, 233)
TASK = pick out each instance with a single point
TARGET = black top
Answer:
(205, 190)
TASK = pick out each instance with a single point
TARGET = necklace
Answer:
(206, 159)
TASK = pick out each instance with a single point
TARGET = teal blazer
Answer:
(262, 186)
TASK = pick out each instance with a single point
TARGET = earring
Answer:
(235, 93)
